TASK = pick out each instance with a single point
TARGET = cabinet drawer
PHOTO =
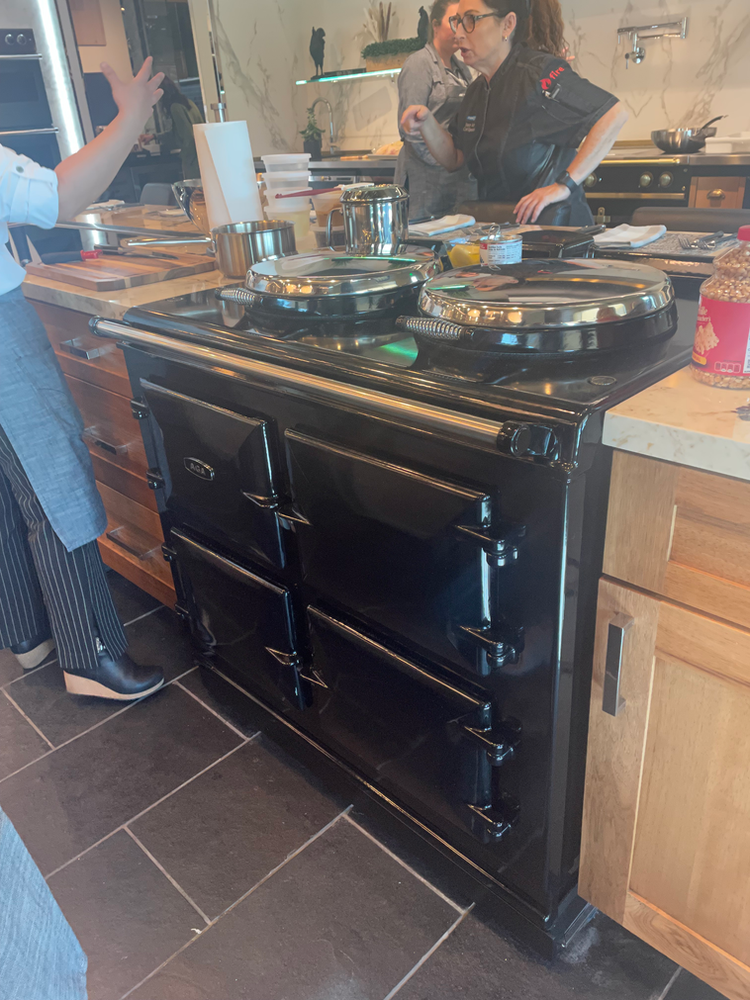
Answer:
(112, 432)
(80, 353)
(717, 192)
(687, 538)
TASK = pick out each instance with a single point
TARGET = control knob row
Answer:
(647, 179)
(20, 39)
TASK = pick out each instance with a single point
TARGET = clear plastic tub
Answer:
(292, 180)
(301, 219)
(286, 161)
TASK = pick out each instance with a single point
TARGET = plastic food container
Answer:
(286, 161)
(721, 351)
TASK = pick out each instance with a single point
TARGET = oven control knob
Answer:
(646, 180)
(21, 39)
(666, 180)
(590, 182)
(8, 39)
(527, 441)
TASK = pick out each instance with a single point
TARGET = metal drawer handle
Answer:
(716, 195)
(612, 703)
(142, 554)
(71, 347)
(90, 435)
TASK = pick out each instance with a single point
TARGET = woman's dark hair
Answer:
(172, 94)
(540, 23)
(437, 13)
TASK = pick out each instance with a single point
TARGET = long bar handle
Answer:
(612, 702)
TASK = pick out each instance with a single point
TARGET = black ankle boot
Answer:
(31, 652)
(121, 678)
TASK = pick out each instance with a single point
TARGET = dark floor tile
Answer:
(131, 602)
(127, 916)
(341, 921)
(689, 987)
(19, 743)
(161, 640)
(604, 961)
(231, 704)
(10, 668)
(224, 831)
(72, 798)
(60, 716)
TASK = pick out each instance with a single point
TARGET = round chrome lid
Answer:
(374, 194)
(546, 294)
(329, 273)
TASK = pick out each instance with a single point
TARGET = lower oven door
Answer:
(242, 620)
(216, 470)
(420, 739)
(402, 550)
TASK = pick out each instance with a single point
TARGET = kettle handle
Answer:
(329, 228)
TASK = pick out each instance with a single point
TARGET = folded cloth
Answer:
(447, 224)
(629, 236)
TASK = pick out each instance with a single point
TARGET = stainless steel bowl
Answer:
(192, 201)
(680, 140)
(243, 244)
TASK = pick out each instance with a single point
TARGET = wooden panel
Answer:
(69, 334)
(717, 192)
(111, 272)
(615, 752)
(639, 524)
(129, 483)
(111, 422)
(132, 570)
(686, 538)
(684, 946)
(692, 844)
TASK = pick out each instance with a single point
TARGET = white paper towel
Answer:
(228, 173)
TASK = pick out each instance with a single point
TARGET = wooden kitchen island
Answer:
(98, 379)
(666, 829)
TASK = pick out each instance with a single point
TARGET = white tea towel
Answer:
(629, 236)
(447, 224)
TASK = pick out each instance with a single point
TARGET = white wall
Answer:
(264, 48)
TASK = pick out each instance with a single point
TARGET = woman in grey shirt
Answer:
(433, 77)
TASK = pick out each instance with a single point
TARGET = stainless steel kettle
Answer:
(376, 219)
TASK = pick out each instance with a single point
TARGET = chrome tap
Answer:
(333, 148)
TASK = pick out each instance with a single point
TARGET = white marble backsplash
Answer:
(264, 50)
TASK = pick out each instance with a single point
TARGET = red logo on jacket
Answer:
(547, 81)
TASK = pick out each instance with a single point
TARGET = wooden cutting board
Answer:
(108, 273)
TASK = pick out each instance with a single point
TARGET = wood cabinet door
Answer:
(666, 829)
(717, 192)
(687, 537)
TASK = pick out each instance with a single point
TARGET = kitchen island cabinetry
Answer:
(666, 828)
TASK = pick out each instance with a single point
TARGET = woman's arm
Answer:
(419, 119)
(592, 151)
(83, 176)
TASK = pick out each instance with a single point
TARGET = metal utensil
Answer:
(376, 219)
(683, 140)
(243, 244)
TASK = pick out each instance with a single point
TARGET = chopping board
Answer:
(108, 273)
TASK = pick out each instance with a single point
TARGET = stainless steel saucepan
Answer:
(684, 140)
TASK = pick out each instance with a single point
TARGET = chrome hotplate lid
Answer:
(547, 294)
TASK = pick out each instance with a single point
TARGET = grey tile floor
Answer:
(196, 860)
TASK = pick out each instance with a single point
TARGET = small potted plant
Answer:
(311, 135)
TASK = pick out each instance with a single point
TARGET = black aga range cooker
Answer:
(389, 530)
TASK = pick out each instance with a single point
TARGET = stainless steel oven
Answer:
(26, 124)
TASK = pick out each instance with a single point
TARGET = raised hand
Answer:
(136, 98)
(414, 118)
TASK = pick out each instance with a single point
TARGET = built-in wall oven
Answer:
(26, 124)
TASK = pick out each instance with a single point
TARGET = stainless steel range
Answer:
(390, 534)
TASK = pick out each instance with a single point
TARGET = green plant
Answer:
(392, 47)
(311, 132)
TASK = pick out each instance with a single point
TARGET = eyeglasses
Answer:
(468, 21)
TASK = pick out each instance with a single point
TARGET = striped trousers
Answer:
(43, 586)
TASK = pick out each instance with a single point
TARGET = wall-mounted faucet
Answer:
(332, 139)
(638, 33)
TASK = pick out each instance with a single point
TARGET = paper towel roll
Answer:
(228, 173)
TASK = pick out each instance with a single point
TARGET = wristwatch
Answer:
(567, 180)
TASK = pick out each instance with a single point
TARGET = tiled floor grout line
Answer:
(28, 673)
(428, 954)
(36, 728)
(96, 725)
(211, 710)
(167, 876)
(144, 615)
(236, 903)
(144, 811)
(665, 992)
(403, 864)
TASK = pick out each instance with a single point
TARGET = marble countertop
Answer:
(114, 305)
(683, 421)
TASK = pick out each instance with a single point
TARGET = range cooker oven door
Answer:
(405, 551)
(242, 620)
(217, 471)
(425, 741)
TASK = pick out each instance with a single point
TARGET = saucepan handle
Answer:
(434, 329)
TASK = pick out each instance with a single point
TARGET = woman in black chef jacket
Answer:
(530, 129)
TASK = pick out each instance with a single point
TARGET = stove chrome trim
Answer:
(420, 415)
(636, 195)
